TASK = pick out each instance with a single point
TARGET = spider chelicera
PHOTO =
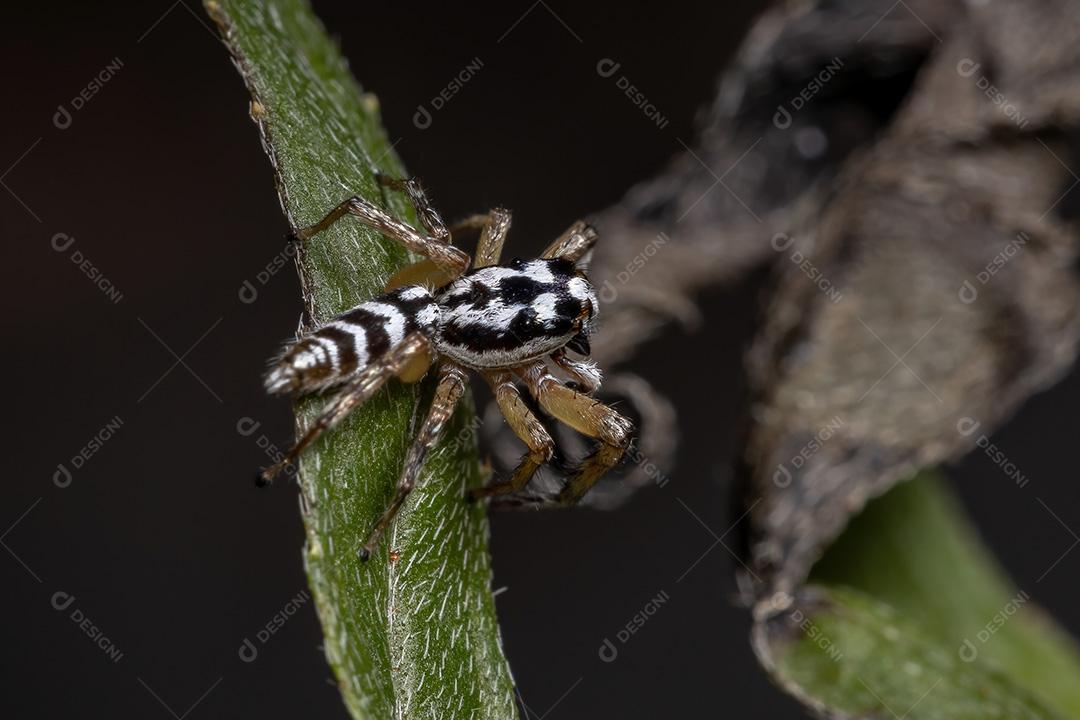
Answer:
(505, 321)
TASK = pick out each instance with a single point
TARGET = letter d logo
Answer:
(247, 426)
(782, 118)
(61, 118)
(62, 600)
(782, 477)
(421, 118)
(62, 477)
(248, 652)
(967, 67)
(966, 425)
(607, 67)
(61, 242)
(248, 294)
(608, 293)
(968, 294)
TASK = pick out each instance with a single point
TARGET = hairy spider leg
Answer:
(429, 216)
(397, 361)
(574, 244)
(585, 374)
(526, 426)
(588, 416)
(424, 273)
(493, 227)
(446, 257)
(452, 384)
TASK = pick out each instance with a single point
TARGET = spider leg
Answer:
(574, 244)
(492, 237)
(584, 373)
(429, 216)
(588, 416)
(525, 426)
(493, 226)
(424, 273)
(357, 391)
(451, 387)
(434, 247)
(468, 224)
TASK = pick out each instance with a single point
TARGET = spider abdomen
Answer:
(353, 340)
(503, 315)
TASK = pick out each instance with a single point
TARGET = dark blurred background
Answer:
(158, 539)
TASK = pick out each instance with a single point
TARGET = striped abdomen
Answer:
(353, 340)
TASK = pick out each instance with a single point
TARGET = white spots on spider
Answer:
(538, 270)
(394, 319)
(494, 314)
(279, 379)
(414, 292)
(498, 314)
(544, 307)
(581, 289)
(359, 335)
(428, 317)
(327, 350)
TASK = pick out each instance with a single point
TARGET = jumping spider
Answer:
(502, 320)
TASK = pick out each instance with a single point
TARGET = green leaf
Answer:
(909, 613)
(412, 632)
(849, 655)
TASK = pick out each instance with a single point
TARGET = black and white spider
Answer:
(504, 321)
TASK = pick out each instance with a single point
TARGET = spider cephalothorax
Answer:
(501, 316)
(505, 321)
